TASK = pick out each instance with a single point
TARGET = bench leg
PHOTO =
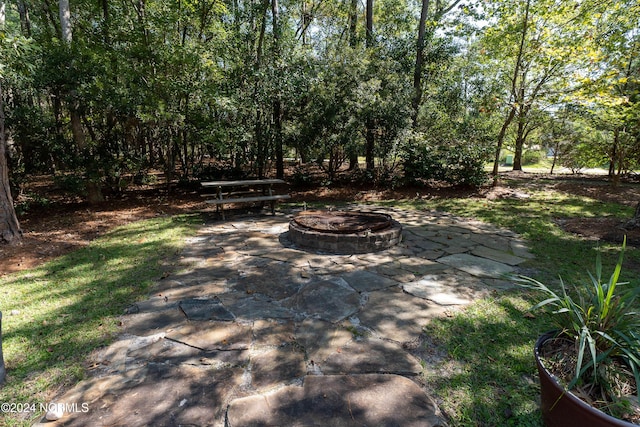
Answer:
(221, 205)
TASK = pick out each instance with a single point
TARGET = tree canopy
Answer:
(100, 92)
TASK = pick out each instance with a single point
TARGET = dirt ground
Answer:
(65, 223)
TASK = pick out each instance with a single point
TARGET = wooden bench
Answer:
(254, 190)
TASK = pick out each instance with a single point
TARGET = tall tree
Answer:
(370, 136)
(611, 92)
(353, 42)
(542, 44)
(417, 71)
(9, 227)
(513, 90)
(369, 23)
(277, 100)
(424, 36)
(25, 21)
(94, 190)
(65, 21)
(3, 370)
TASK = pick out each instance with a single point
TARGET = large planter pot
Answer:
(561, 408)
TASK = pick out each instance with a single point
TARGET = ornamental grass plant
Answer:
(596, 352)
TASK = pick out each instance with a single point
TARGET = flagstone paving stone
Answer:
(204, 309)
(476, 265)
(253, 331)
(320, 339)
(366, 355)
(337, 401)
(496, 255)
(366, 281)
(331, 300)
(213, 335)
(269, 333)
(396, 315)
(277, 366)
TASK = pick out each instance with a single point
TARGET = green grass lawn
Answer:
(487, 377)
(56, 314)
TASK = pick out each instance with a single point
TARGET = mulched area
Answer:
(66, 223)
(597, 187)
(610, 230)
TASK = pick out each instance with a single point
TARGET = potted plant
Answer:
(589, 366)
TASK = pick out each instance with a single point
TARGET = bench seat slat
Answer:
(242, 183)
(249, 199)
(231, 194)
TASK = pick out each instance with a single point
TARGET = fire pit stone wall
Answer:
(346, 242)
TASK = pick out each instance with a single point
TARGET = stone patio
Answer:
(253, 331)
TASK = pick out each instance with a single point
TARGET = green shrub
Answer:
(30, 201)
(71, 183)
(455, 162)
(219, 171)
(532, 157)
(301, 177)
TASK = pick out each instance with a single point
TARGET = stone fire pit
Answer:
(345, 232)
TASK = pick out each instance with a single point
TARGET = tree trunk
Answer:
(555, 156)
(614, 153)
(353, 23)
(277, 102)
(517, 157)
(417, 71)
(635, 221)
(9, 227)
(514, 94)
(25, 22)
(106, 22)
(369, 24)
(501, 135)
(261, 149)
(94, 192)
(370, 139)
(2, 15)
(261, 145)
(65, 21)
(140, 8)
(277, 125)
(353, 41)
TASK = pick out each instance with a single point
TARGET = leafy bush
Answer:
(532, 157)
(143, 177)
(302, 177)
(455, 162)
(579, 156)
(29, 201)
(219, 171)
(380, 176)
(71, 183)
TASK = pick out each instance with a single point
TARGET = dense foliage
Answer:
(217, 87)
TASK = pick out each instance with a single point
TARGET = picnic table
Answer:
(244, 191)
